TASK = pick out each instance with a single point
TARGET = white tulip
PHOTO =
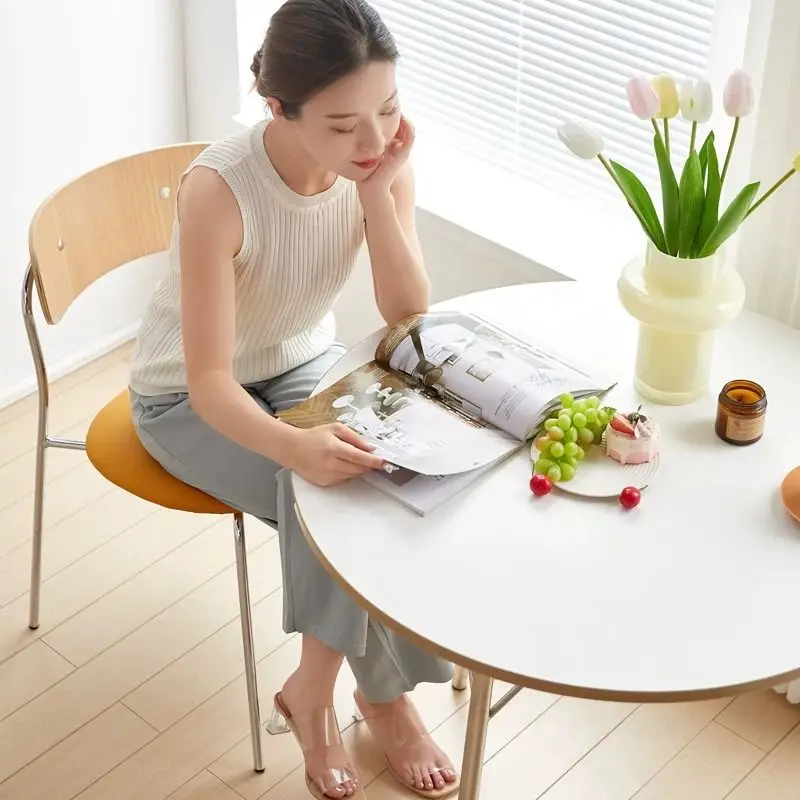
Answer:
(581, 140)
(697, 102)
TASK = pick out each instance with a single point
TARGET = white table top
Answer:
(695, 592)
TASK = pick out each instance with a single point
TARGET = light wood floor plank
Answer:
(131, 604)
(706, 769)
(64, 496)
(99, 572)
(646, 741)
(200, 738)
(549, 747)
(71, 539)
(116, 672)
(212, 664)
(763, 718)
(76, 405)
(777, 777)
(29, 404)
(29, 673)
(204, 787)
(78, 761)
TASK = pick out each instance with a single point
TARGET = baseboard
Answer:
(58, 369)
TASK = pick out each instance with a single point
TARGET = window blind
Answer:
(495, 78)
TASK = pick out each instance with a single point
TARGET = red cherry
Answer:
(630, 496)
(541, 485)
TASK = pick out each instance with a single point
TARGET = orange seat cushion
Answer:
(116, 452)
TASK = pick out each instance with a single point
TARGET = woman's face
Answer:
(346, 127)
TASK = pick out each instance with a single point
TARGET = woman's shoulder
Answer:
(230, 151)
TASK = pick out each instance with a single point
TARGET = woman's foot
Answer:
(411, 753)
(309, 710)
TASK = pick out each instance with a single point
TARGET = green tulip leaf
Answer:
(708, 144)
(669, 197)
(711, 206)
(691, 196)
(639, 199)
(729, 222)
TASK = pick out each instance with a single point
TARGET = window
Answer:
(494, 78)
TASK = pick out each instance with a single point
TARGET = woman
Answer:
(269, 223)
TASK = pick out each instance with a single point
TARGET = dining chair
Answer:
(100, 221)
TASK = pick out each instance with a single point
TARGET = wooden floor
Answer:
(133, 686)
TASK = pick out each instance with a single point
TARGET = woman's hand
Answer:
(330, 454)
(394, 159)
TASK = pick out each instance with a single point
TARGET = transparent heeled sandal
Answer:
(389, 736)
(324, 747)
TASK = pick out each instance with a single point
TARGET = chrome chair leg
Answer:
(246, 617)
(41, 445)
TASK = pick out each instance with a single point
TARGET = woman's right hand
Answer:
(330, 454)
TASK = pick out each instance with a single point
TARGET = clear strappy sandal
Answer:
(387, 736)
(325, 741)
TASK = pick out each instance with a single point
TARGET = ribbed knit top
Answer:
(297, 253)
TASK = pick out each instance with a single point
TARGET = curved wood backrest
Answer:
(104, 219)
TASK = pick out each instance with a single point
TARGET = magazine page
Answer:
(407, 428)
(486, 373)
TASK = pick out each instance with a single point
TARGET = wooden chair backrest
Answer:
(104, 219)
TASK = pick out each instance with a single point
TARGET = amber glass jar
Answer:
(741, 409)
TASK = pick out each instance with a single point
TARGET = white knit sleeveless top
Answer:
(297, 253)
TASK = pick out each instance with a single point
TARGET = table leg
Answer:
(480, 702)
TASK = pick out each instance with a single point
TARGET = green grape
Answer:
(564, 422)
(542, 465)
(602, 417)
(566, 400)
(593, 401)
(570, 462)
(556, 435)
(556, 450)
(596, 430)
(554, 473)
(566, 412)
(549, 424)
(580, 454)
(580, 405)
(542, 443)
(585, 436)
(570, 448)
(579, 419)
(571, 434)
(591, 415)
(567, 472)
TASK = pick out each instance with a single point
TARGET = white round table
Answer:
(694, 593)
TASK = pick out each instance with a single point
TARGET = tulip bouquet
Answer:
(691, 225)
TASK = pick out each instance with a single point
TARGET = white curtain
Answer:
(768, 244)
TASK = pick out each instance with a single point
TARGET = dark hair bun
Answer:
(255, 67)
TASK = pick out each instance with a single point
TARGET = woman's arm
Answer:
(210, 237)
(401, 284)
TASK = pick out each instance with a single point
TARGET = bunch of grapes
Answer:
(568, 432)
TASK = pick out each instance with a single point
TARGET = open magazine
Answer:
(446, 397)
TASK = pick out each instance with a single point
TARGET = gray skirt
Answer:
(384, 663)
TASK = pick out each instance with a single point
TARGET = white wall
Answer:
(82, 83)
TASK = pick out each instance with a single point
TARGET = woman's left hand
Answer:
(394, 159)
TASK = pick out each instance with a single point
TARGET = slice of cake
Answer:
(632, 438)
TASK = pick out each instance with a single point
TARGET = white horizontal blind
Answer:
(495, 78)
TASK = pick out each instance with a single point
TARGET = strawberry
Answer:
(622, 424)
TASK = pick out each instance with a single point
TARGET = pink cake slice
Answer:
(632, 438)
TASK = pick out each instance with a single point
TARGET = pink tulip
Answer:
(738, 96)
(643, 100)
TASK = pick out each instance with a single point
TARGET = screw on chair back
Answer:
(104, 219)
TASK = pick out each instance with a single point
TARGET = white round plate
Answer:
(600, 476)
